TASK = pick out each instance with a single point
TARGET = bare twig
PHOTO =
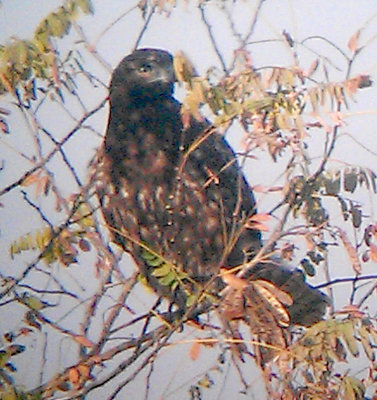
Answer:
(42, 163)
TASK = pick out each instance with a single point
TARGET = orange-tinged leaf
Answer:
(25, 331)
(312, 68)
(256, 222)
(260, 227)
(29, 180)
(279, 294)
(185, 117)
(4, 126)
(351, 251)
(96, 359)
(287, 251)
(43, 185)
(266, 189)
(8, 86)
(352, 43)
(195, 351)
(74, 375)
(352, 309)
(365, 256)
(337, 117)
(55, 72)
(353, 84)
(261, 217)
(232, 280)
(84, 371)
(373, 252)
(273, 296)
(195, 324)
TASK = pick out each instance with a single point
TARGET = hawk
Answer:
(175, 198)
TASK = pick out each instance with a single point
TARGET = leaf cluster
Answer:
(8, 390)
(24, 61)
(270, 104)
(172, 278)
(312, 363)
(59, 245)
(305, 195)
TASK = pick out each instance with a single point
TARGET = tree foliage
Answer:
(66, 283)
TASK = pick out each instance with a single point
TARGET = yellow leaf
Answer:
(347, 332)
(365, 341)
(161, 271)
(353, 388)
(10, 394)
(280, 295)
(191, 299)
(270, 294)
(33, 302)
(184, 70)
(205, 382)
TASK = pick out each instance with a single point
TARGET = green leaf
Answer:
(332, 185)
(205, 381)
(151, 259)
(168, 279)
(33, 302)
(4, 357)
(85, 5)
(191, 299)
(356, 215)
(161, 271)
(350, 180)
(31, 241)
(57, 26)
(308, 267)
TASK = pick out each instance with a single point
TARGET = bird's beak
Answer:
(164, 75)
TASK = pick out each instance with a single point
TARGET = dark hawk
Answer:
(174, 197)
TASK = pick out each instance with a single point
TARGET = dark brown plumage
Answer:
(179, 193)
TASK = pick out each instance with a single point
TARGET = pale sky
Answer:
(336, 20)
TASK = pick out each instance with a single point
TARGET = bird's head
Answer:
(144, 74)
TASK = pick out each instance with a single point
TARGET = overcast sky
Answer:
(336, 20)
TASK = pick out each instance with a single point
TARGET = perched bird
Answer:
(175, 198)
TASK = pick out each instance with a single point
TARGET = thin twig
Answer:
(212, 37)
(42, 163)
(343, 280)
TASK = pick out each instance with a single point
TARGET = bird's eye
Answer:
(145, 68)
